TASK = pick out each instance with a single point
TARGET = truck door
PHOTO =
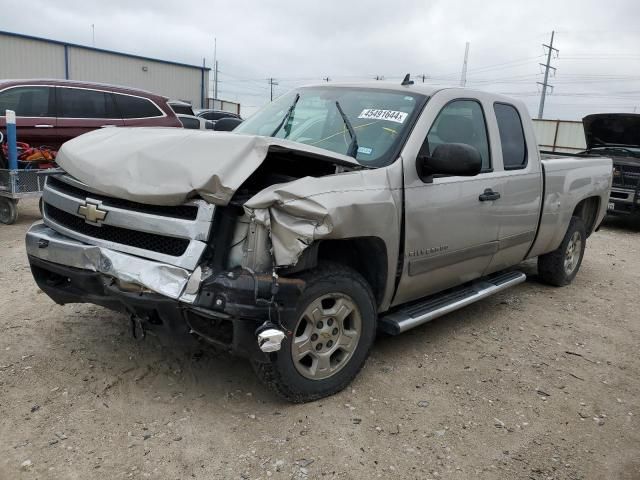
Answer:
(521, 192)
(451, 224)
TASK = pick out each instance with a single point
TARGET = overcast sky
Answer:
(300, 42)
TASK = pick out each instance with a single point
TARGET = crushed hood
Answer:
(609, 129)
(167, 166)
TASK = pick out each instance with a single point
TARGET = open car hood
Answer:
(612, 129)
(167, 166)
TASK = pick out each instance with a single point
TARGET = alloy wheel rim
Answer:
(326, 336)
(572, 254)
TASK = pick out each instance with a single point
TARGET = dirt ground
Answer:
(534, 383)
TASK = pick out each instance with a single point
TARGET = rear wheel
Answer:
(8, 210)
(332, 333)
(560, 267)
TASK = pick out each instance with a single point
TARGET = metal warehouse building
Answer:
(23, 56)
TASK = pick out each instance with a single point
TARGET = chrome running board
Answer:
(440, 304)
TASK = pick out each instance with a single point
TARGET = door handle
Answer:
(43, 125)
(488, 195)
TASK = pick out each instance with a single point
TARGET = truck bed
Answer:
(568, 180)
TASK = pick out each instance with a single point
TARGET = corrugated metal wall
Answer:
(174, 81)
(22, 57)
(560, 135)
(26, 58)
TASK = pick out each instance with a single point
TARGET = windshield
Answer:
(380, 120)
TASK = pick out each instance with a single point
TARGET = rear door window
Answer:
(28, 101)
(85, 103)
(514, 147)
(461, 121)
(136, 107)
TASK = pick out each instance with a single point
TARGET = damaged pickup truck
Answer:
(333, 213)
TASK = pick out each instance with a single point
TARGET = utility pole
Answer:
(423, 77)
(215, 68)
(93, 35)
(463, 77)
(547, 66)
(215, 80)
(272, 82)
(326, 79)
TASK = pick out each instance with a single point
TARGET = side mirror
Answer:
(226, 124)
(457, 159)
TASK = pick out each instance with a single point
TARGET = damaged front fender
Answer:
(346, 205)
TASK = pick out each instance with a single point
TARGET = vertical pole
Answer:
(463, 77)
(546, 76)
(202, 86)
(93, 35)
(271, 84)
(215, 80)
(66, 62)
(215, 70)
(12, 140)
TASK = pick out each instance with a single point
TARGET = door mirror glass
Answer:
(458, 159)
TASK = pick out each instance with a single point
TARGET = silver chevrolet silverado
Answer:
(335, 212)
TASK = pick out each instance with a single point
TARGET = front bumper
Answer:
(624, 201)
(224, 308)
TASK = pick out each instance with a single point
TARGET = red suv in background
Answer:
(50, 112)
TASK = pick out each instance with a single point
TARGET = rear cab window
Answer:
(512, 141)
(28, 101)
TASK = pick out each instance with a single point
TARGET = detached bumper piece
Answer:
(232, 307)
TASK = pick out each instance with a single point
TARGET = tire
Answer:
(8, 210)
(325, 333)
(560, 267)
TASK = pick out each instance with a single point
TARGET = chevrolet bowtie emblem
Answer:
(91, 212)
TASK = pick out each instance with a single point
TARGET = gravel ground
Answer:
(534, 383)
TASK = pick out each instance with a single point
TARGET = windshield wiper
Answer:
(352, 151)
(287, 115)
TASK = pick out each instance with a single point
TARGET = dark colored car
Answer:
(50, 112)
(617, 135)
(216, 115)
(181, 108)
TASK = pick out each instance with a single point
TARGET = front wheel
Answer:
(8, 210)
(560, 267)
(331, 335)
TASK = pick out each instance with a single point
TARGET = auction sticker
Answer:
(377, 114)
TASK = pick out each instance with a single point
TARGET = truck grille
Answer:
(175, 235)
(147, 241)
(187, 212)
(626, 176)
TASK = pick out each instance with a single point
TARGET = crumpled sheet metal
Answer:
(352, 204)
(167, 166)
(164, 279)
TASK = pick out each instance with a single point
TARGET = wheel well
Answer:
(587, 210)
(366, 255)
